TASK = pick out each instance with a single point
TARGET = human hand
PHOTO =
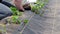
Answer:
(18, 4)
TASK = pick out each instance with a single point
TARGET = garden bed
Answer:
(15, 27)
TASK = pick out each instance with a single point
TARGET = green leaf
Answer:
(13, 8)
(19, 21)
(26, 21)
(19, 13)
(14, 19)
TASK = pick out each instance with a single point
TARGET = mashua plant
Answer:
(14, 19)
(38, 5)
(15, 11)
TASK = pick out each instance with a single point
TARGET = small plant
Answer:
(18, 21)
(38, 6)
(33, 8)
(26, 21)
(14, 19)
(15, 11)
(37, 12)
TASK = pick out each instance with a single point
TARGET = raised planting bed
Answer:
(19, 20)
(12, 26)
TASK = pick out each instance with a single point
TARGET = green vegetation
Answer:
(15, 11)
(26, 21)
(14, 19)
(35, 8)
(38, 6)
(15, 16)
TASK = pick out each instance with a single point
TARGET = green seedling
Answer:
(38, 6)
(37, 12)
(15, 11)
(18, 21)
(19, 13)
(15, 15)
(26, 21)
(33, 8)
(14, 19)
(13, 8)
